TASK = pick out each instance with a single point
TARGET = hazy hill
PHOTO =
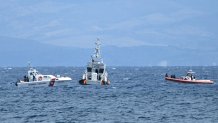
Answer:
(17, 52)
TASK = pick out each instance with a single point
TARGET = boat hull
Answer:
(43, 83)
(90, 82)
(189, 81)
(62, 81)
(34, 83)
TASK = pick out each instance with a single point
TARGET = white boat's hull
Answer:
(61, 82)
(43, 83)
(33, 83)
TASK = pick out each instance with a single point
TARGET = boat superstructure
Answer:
(95, 72)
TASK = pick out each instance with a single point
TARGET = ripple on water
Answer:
(135, 95)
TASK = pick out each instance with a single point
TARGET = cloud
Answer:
(188, 31)
(43, 7)
(70, 41)
(88, 41)
(57, 33)
(96, 28)
(50, 24)
(123, 42)
(76, 23)
(172, 17)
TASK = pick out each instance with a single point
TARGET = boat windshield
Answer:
(96, 70)
(46, 77)
(89, 69)
(101, 71)
(189, 74)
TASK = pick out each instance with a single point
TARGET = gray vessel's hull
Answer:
(90, 82)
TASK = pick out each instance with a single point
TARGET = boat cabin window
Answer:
(189, 74)
(89, 69)
(33, 73)
(101, 71)
(96, 70)
(46, 77)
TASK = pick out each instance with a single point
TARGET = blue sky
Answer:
(188, 24)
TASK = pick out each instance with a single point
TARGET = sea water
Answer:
(136, 94)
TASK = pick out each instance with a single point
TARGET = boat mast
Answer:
(97, 49)
(96, 57)
(29, 65)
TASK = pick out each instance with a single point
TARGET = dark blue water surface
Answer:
(136, 94)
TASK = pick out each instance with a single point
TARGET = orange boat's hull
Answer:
(189, 81)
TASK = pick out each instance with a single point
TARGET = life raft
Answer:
(83, 82)
(105, 82)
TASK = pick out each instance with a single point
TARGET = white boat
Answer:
(95, 72)
(189, 78)
(34, 78)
